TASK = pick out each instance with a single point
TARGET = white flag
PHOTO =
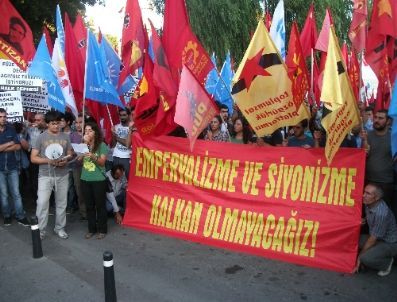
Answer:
(58, 62)
(277, 29)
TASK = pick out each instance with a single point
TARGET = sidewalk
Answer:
(150, 267)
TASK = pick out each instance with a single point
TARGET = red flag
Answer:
(163, 80)
(392, 54)
(323, 37)
(194, 107)
(297, 70)
(375, 51)
(316, 87)
(354, 73)
(384, 87)
(48, 39)
(147, 105)
(16, 39)
(180, 43)
(110, 116)
(308, 35)
(133, 40)
(345, 53)
(358, 27)
(80, 32)
(74, 63)
(384, 17)
(161, 74)
(267, 18)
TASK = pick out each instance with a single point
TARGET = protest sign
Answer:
(12, 78)
(264, 201)
(11, 102)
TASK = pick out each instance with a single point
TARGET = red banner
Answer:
(268, 202)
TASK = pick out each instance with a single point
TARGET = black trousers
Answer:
(94, 193)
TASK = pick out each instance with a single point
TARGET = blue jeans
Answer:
(9, 184)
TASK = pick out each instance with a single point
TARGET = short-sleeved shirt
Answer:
(379, 165)
(295, 142)
(75, 138)
(43, 141)
(91, 171)
(120, 150)
(219, 137)
(8, 160)
(381, 222)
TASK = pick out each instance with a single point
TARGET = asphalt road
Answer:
(150, 267)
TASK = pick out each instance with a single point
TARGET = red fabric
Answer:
(317, 88)
(111, 118)
(48, 40)
(80, 32)
(133, 41)
(392, 54)
(308, 35)
(181, 44)
(345, 53)
(323, 37)
(384, 17)
(384, 87)
(16, 43)
(147, 106)
(162, 79)
(268, 20)
(194, 196)
(297, 70)
(358, 26)
(375, 51)
(194, 107)
(74, 63)
(354, 74)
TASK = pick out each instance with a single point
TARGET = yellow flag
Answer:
(262, 88)
(340, 99)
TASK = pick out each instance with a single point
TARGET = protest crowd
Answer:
(76, 157)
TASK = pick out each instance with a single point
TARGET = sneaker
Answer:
(62, 234)
(25, 222)
(7, 221)
(388, 269)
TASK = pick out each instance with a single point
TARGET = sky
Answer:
(110, 17)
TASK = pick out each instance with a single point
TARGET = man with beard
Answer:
(122, 153)
(379, 167)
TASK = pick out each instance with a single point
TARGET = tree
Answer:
(222, 25)
(227, 25)
(39, 12)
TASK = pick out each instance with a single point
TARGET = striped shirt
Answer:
(381, 222)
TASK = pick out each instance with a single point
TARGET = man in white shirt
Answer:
(120, 132)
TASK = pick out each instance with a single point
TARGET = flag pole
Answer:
(311, 76)
(85, 83)
(110, 117)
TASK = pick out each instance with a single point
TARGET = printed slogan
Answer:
(281, 203)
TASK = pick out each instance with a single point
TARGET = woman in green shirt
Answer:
(93, 183)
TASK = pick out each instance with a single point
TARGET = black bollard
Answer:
(110, 286)
(36, 240)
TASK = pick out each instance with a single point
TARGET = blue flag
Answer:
(98, 86)
(41, 67)
(113, 61)
(150, 49)
(60, 30)
(277, 29)
(393, 114)
(212, 78)
(130, 83)
(222, 91)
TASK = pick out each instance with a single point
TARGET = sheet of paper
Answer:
(80, 148)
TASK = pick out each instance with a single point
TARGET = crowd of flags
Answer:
(84, 71)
